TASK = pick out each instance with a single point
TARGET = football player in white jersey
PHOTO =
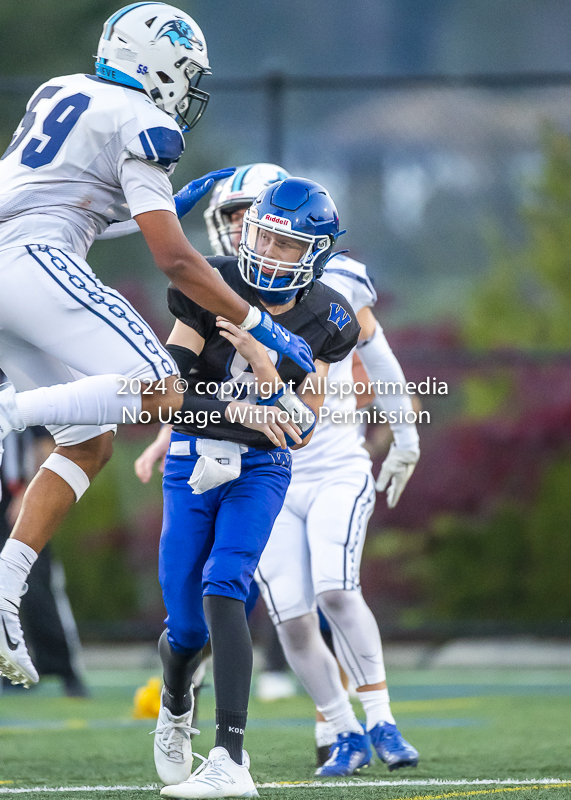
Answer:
(92, 151)
(313, 554)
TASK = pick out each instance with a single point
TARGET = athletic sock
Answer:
(376, 705)
(88, 401)
(340, 715)
(324, 734)
(230, 727)
(16, 561)
(232, 669)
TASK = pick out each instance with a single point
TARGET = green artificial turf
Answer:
(506, 725)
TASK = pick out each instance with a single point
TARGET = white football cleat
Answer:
(218, 776)
(15, 661)
(173, 746)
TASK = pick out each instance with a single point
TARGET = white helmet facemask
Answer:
(156, 48)
(234, 194)
(272, 257)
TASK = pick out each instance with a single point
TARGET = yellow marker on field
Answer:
(147, 700)
(474, 792)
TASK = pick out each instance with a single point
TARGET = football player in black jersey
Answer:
(228, 466)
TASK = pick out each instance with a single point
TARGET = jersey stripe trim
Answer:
(151, 155)
(96, 313)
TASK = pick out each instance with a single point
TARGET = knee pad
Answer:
(68, 471)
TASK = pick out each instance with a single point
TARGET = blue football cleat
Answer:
(350, 753)
(391, 747)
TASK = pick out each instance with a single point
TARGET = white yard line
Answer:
(295, 785)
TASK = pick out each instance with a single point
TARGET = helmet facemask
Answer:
(277, 261)
(228, 231)
(181, 109)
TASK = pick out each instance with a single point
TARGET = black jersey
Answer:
(322, 317)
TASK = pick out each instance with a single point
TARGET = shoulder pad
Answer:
(161, 145)
(350, 278)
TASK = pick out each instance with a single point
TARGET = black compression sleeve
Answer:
(196, 402)
(185, 359)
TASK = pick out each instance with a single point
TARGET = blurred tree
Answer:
(56, 38)
(525, 299)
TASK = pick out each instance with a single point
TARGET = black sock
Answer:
(232, 667)
(178, 670)
(230, 727)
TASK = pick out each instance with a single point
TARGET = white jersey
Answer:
(332, 443)
(86, 153)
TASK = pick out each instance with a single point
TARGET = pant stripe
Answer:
(360, 534)
(119, 298)
(351, 660)
(345, 546)
(269, 594)
(96, 313)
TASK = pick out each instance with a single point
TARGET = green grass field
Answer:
(469, 725)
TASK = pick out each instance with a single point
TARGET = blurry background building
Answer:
(441, 129)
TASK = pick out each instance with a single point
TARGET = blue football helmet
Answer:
(288, 234)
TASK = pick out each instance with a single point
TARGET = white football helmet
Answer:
(159, 49)
(237, 192)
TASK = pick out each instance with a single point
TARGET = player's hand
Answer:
(263, 419)
(395, 472)
(274, 337)
(194, 191)
(156, 451)
(248, 347)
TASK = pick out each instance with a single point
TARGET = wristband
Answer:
(253, 318)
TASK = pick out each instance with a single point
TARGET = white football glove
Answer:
(397, 468)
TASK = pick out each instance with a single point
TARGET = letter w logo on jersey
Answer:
(339, 316)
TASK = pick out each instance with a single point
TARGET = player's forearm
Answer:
(186, 268)
(194, 276)
(265, 373)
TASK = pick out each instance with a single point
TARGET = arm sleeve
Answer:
(381, 365)
(146, 187)
(193, 315)
(118, 229)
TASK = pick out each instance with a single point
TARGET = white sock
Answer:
(88, 401)
(340, 715)
(376, 705)
(16, 561)
(324, 734)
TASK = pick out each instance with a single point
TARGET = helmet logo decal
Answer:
(280, 221)
(177, 30)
